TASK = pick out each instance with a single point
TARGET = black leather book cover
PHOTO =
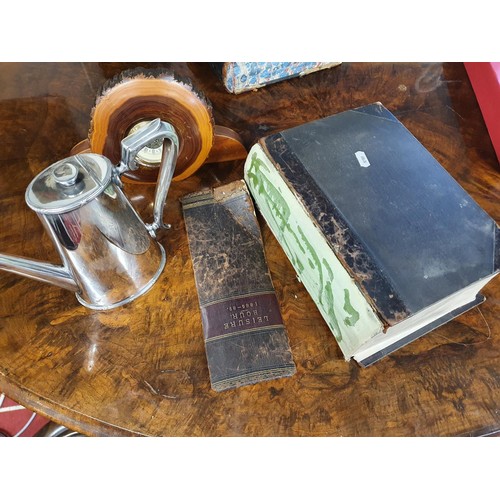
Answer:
(408, 232)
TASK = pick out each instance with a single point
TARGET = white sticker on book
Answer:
(362, 159)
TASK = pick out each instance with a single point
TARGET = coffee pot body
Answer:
(109, 254)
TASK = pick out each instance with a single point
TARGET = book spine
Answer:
(348, 314)
(343, 240)
(245, 338)
(225, 72)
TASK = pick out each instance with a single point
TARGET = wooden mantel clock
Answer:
(133, 98)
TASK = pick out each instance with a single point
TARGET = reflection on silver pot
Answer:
(109, 255)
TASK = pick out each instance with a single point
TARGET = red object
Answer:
(18, 421)
(485, 80)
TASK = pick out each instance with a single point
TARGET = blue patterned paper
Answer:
(241, 76)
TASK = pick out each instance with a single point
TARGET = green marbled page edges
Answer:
(329, 291)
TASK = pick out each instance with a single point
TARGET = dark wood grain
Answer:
(142, 370)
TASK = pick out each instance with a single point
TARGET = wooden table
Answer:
(141, 369)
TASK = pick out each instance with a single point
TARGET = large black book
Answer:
(386, 242)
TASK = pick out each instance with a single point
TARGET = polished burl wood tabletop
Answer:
(141, 369)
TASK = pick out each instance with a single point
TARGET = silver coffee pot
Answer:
(109, 255)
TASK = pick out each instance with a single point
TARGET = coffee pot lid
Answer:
(69, 183)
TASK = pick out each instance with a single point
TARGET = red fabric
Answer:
(485, 80)
(12, 422)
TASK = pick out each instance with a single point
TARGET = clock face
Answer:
(150, 155)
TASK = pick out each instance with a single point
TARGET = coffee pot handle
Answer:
(132, 144)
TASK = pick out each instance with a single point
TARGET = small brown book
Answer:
(245, 339)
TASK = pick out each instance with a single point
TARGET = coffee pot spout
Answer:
(41, 271)
(109, 255)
